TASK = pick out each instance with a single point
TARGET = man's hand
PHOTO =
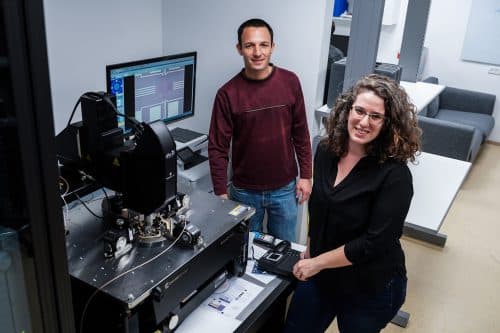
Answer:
(224, 196)
(303, 189)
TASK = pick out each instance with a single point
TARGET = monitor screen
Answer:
(153, 89)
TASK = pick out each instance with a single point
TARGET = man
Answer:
(261, 110)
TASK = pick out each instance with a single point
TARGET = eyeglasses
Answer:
(374, 118)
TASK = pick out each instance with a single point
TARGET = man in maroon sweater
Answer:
(261, 110)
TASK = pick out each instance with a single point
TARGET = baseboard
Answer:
(495, 143)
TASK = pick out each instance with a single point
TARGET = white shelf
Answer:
(391, 14)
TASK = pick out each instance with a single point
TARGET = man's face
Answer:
(256, 49)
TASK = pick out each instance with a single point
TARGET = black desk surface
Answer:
(86, 254)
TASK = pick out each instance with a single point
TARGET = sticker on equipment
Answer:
(238, 210)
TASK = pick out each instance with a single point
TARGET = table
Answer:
(266, 313)
(421, 93)
(436, 181)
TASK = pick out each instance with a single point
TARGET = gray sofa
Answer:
(456, 122)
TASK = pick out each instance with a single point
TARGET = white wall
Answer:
(391, 36)
(84, 36)
(444, 38)
(391, 31)
(301, 30)
(302, 33)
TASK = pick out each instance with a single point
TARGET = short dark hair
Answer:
(400, 135)
(256, 23)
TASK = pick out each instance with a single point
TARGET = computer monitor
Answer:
(153, 89)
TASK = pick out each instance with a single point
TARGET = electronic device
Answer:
(279, 260)
(337, 71)
(159, 295)
(162, 255)
(189, 158)
(184, 135)
(160, 88)
(143, 170)
(263, 238)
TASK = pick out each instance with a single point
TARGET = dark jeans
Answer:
(313, 310)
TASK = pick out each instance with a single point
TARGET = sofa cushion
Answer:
(433, 107)
(483, 122)
(423, 112)
(477, 139)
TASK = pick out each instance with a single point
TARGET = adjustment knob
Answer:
(157, 293)
(172, 323)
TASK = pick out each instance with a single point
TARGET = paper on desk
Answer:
(258, 251)
(200, 318)
(262, 277)
(232, 297)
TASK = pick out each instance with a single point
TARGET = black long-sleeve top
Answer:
(365, 212)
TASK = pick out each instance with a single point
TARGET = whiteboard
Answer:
(482, 38)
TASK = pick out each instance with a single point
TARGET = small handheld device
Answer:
(280, 259)
(264, 239)
(282, 246)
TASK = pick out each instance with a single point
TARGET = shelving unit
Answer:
(391, 11)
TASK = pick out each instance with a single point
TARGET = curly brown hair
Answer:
(400, 135)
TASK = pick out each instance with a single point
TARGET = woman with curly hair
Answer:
(354, 266)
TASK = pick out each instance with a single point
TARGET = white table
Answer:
(421, 93)
(436, 181)
(273, 293)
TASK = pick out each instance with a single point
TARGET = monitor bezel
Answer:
(167, 121)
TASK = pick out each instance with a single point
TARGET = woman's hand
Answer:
(305, 254)
(305, 268)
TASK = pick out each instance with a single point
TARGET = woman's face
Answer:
(366, 118)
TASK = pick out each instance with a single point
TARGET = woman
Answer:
(354, 266)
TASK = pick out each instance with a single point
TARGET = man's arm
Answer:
(302, 145)
(219, 139)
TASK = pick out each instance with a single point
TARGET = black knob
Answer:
(157, 293)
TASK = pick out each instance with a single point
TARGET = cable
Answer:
(66, 214)
(228, 283)
(125, 273)
(74, 108)
(106, 195)
(65, 183)
(135, 124)
(253, 254)
(87, 207)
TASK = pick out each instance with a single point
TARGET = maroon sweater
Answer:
(266, 121)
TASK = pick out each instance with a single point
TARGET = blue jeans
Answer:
(313, 310)
(281, 207)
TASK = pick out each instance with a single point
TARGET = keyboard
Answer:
(184, 135)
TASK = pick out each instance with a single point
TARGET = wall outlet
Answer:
(494, 71)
